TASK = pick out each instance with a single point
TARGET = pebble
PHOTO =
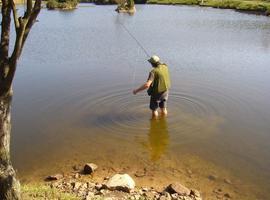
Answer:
(178, 188)
(196, 193)
(228, 181)
(54, 177)
(212, 177)
(227, 195)
(89, 168)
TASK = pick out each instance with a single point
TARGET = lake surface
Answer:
(73, 100)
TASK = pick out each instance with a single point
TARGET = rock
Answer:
(140, 174)
(121, 182)
(54, 177)
(75, 167)
(227, 195)
(174, 196)
(228, 181)
(178, 188)
(145, 189)
(99, 186)
(77, 175)
(137, 196)
(195, 193)
(165, 196)
(212, 177)
(89, 168)
(89, 196)
(76, 185)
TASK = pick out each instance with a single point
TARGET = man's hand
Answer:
(143, 87)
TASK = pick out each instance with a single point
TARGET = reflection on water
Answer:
(158, 137)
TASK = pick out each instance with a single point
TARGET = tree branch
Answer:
(29, 6)
(5, 30)
(32, 19)
(15, 15)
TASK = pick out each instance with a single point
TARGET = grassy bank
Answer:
(262, 7)
(41, 192)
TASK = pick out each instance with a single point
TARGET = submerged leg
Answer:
(154, 114)
(164, 111)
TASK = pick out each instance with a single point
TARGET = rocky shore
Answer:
(118, 186)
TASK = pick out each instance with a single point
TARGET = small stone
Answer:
(99, 186)
(189, 172)
(89, 168)
(122, 182)
(227, 195)
(174, 196)
(77, 175)
(89, 196)
(196, 193)
(178, 188)
(75, 167)
(54, 177)
(145, 189)
(165, 196)
(212, 177)
(228, 181)
(140, 174)
(76, 185)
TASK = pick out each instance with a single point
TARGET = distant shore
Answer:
(247, 6)
(250, 6)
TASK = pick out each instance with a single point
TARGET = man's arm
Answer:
(143, 87)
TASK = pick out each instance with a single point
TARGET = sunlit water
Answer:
(73, 101)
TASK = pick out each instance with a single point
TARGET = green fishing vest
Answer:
(162, 81)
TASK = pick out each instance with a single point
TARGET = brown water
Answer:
(73, 102)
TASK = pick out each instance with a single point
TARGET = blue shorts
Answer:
(159, 100)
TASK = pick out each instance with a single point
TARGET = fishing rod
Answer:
(136, 40)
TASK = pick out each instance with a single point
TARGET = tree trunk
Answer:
(9, 185)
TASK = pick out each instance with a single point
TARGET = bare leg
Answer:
(154, 114)
(164, 111)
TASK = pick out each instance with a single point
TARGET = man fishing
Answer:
(158, 85)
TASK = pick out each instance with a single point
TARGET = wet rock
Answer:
(122, 182)
(89, 168)
(227, 195)
(212, 177)
(228, 181)
(54, 177)
(76, 167)
(140, 173)
(178, 188)
(217, 191)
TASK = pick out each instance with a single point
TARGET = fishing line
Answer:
(139, 44)
(137, 41)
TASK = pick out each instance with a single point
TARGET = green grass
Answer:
(41, 192)
(245, 5)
